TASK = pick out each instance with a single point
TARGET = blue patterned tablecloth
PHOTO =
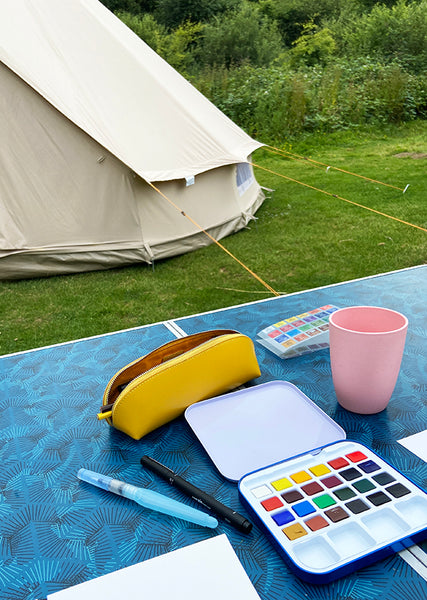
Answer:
(56, 531)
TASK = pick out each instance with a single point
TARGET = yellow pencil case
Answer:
(158, 387)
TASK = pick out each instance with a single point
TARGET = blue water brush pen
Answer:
(148, 498)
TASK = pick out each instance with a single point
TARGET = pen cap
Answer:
(245, 526)
(96, 479)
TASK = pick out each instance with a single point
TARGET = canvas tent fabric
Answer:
(89, 115)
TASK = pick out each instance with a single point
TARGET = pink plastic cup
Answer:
(366, 349)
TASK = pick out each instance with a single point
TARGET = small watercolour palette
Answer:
(336, 509)
(300, 334)
(330, 505)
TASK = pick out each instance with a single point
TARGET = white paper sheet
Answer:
(417, 444)
(209, 569)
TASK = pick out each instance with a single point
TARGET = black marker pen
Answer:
(229, 515)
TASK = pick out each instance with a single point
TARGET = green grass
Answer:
(301, 239)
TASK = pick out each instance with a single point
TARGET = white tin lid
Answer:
(258, 426)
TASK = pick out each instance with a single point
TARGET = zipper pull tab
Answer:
(105, 412)
(104, 415)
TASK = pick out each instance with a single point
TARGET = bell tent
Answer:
(91, 117)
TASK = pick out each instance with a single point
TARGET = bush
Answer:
(314, 46)
(292, 15)
(274, 103)
(388, 34)
(174, 47)
(238, 61)
(173, 13)
(146, 27)
(132, 6)
(244, 35)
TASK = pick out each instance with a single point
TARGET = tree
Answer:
(243, 35)
(293, 15)
(172, 13)
(131, 6)
(175, 46)
(314, 46)
(396, 33)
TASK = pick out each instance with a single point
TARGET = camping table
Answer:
(56, 533)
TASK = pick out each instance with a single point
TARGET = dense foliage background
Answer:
(280, 68)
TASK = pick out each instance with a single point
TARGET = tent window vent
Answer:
(244, 177)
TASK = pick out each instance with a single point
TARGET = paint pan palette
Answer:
(299, 334)
(330, 505)
(334, 510)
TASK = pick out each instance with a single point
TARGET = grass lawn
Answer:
(301, 239)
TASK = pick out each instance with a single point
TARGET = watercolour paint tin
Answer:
(299, 334)
(333, 511)
(330, 505)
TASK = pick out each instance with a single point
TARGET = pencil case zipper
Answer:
(106, 410)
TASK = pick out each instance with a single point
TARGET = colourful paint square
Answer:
(318, 323)
(261, 491)
(281, 338)
(275, 333)
(357, 506)
(356, 456)
(336, 514)
(344, 493)
(363, 486)
(289, 343)
(300, 477)
(281, 484)
(316, 523)
(283, 517)
(319, 470)
(272, 503)
(292, 496)
(397, 490)
(312, 332)
(294, 531)
(302, 315)
(323, 315)
(303, 508)
(383, 478)
(312, 488)
(323, 327)
(309, 319)
(294, 332)
(350, 474)
(314, 311)
(291, 320)
(378, 498)
(324, 501)
(304, 327)
(369, 466)
(331, 482)
(286, 328)
(301, 337)
(327, 307)
(298, 323)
